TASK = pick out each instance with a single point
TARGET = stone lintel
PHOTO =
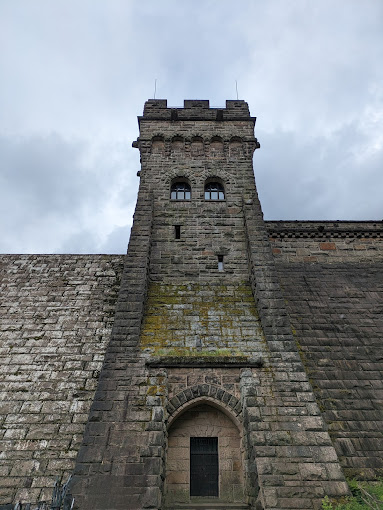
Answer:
(205, 362)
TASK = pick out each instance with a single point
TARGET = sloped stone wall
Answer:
(119, 464)
(296, 462)
(336, 313)
(56, 316)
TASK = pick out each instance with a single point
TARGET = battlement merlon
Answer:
(196, 109)
(196, 119)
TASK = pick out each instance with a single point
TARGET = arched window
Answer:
(180, 190)
(214, 191)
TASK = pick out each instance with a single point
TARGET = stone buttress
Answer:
(202, 368)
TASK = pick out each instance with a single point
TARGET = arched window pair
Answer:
(181, 190)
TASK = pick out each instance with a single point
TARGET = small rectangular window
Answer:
(220, 262)
(177, 231)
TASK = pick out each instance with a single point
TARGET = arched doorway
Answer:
(204, 456)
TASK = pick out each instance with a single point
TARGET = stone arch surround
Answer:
(209, 393)
(204, 416)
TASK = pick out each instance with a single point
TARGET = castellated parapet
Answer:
(222, 382)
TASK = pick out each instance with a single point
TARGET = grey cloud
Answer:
(319, 179)
(43, 172)
(86, 241)
(83, 242)
(117, 240)
(49, 194)
(310, 72)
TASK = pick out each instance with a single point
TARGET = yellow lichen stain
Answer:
(217, 315)
(154, 391)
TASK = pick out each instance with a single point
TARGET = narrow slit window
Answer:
(220, 262)
(177, 231)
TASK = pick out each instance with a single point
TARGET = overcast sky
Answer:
(74, 75)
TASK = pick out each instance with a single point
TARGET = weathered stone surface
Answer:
(56, 316)
(336, 314)
(206, 318)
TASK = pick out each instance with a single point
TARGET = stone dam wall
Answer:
(56, 317)
(331, 276)
(57, 313)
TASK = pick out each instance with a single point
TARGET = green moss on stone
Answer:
(182, 319)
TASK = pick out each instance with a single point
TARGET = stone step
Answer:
(209, 505)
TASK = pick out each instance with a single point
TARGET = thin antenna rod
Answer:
(155, 88)
(236, 88)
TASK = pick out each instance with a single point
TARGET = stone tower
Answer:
(202, 398)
